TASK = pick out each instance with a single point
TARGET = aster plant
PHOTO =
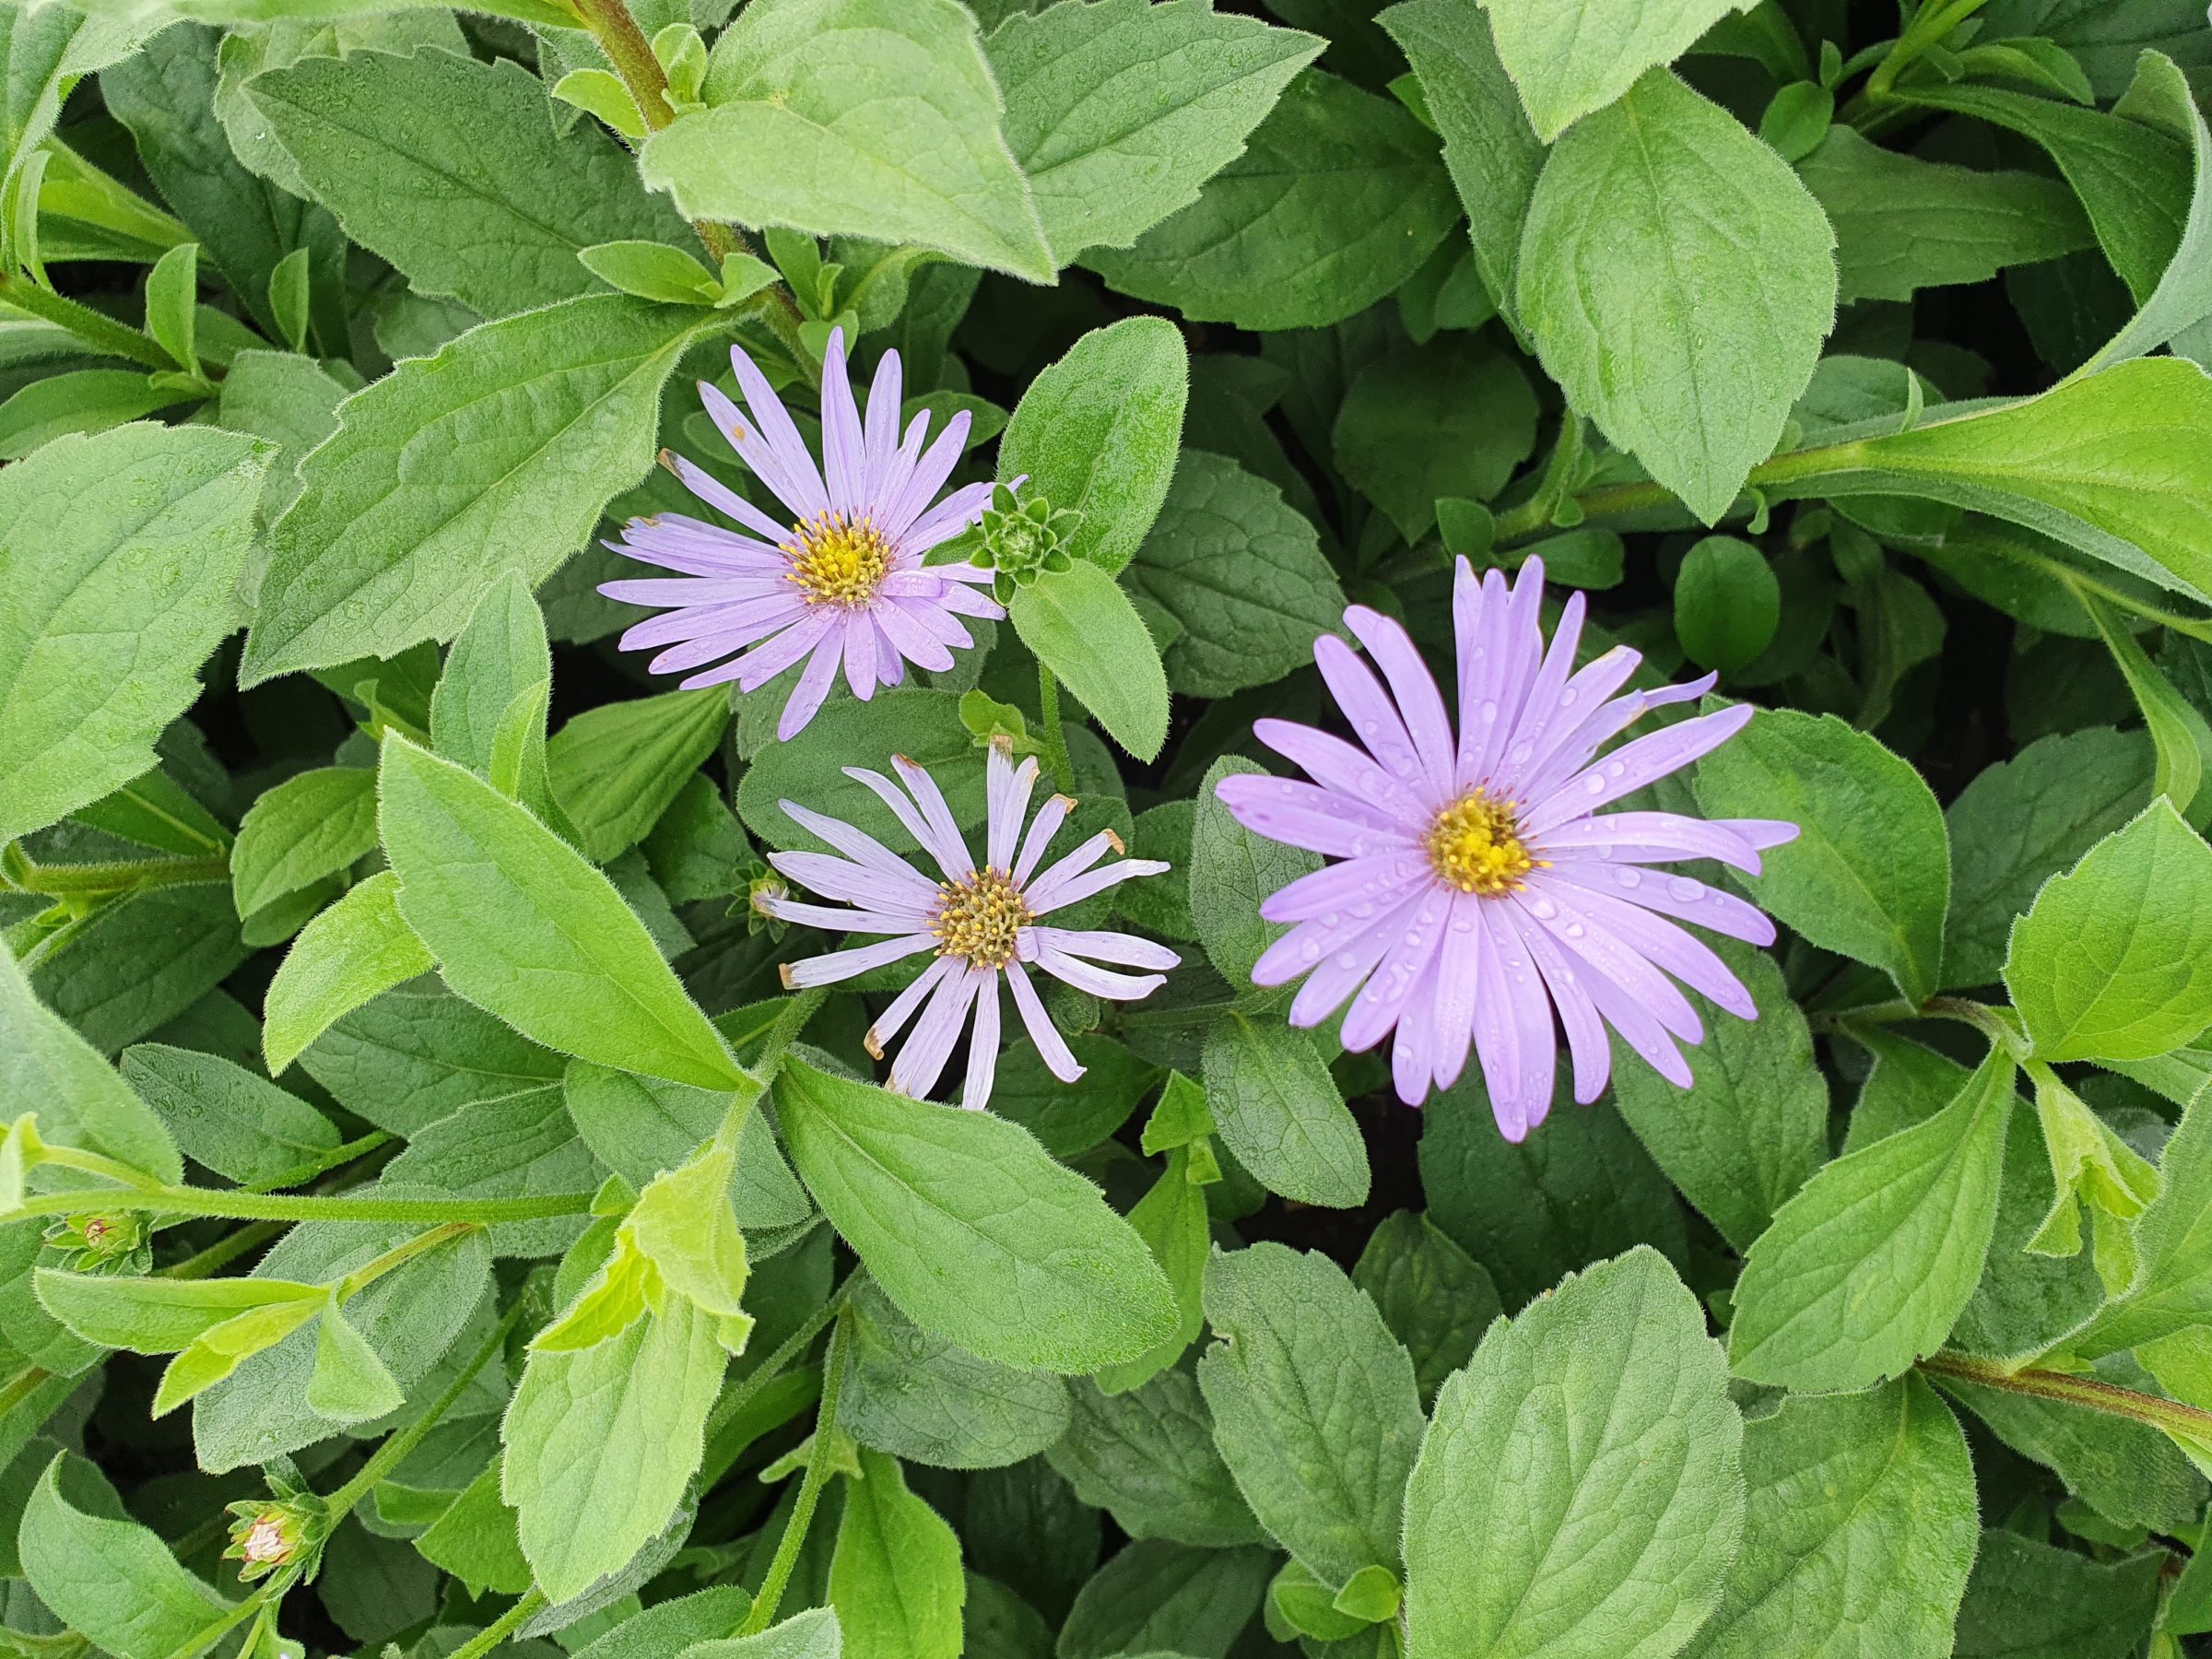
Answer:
(1479, 889)
(1634, 575)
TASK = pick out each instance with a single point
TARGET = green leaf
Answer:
(2020, 822)
(172, 295)
(1232, 871)
(529, 426)
(1903, 224)
(1661, 222)
(452, 169)
(81, 402)
(920, 1398)
(110, 1579)
(972, 1231)
(1581, 1489)
(1081, 625)
(522, 925)
(2172, 1289)
(155, 1316)
(519, 1145)
(315, 824)
(350, 953)
(2180, 742)
(2031, 1601)
(616, 768)
(814, 1634)
(1067, 1121)
(133, 966)
(923, 725)
(501, 654)
(895, 1574)
(873, 118)
(2161, 97)
(602, 1440)
(474, 1539)
(417, 1053)
(641, 1126)
(1861, 1519)
(2114, 961)
(1155, 1598)
(1337, 200)
(1753, 1125)
(1171, 1219)
(1315, 1409)
(1147, 1457)
(1242, 574)
(1097, 432)
(2131, 179)
(350, 1384)
(291, 401)
(683, 1223)
(652, 270)
(121, 554)
(1436, 1299)
(1118, 113)
(237, 1123)
(1870, 873)
(1569, 59)
(1727, 603)
(45, 51)
(48, 1068)
(1281, 1113)
(1493, 154)
(1866, 1268)
(1454, 418)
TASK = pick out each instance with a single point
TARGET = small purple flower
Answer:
(981, 923)
(1480, 890)
(843, 582)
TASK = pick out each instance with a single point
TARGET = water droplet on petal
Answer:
(1595, 784)
(1542, 909)
(1686, 890)
(1628, 876)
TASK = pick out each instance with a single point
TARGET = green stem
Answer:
(222, 1253)
(21, 1387)
(387, 1456)
(361, 1278)
(1935, 20)
(810, 1486)
(1985, 1018)
(2187, 1422)
(273, 1206)
(104, 880)
(1055, 739)
(786, 1355)
(96, 329)
(484, 1641)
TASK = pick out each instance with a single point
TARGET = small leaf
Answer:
(350, 1384)
(173, 299)
(351, 952)
(1727, 603)
(651, 270)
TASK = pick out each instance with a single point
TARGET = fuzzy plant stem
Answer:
(810, 1485)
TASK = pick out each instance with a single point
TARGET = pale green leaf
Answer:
(1080, 624)
(1870, 873)
(496, 454)
(1581, 1489)
(616, 768)
(233, 1120)
(47, 1068)
(1859, 1532)
(895, 1573)
(113, 1580)
(1866, 1268)
(1337, 200)
(520, 924)
(972, 1231)
(1119, 112)
(315, 824)
(120, 555)
(2114, 961)
(874, 118)
(1677, 281)
(351, 952)
(1569, 57)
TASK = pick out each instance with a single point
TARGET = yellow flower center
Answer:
(836, 561)
(978, 918)
(1474, 844)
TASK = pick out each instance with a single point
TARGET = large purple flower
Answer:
(982, 924)
(843, 582)
(1480, 889)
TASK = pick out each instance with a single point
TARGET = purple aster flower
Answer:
(981, 923)
(843, 582)
(1480, 890)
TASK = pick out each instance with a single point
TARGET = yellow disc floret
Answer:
(838, 561)
(1474, 845)
(978, 917)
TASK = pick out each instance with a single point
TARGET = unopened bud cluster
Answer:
(1022, 539)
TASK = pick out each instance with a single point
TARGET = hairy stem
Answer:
(727, 1408)
(96, 329)
(153, 1199)
(2188, 1422)
(1056, 739)
(484, 1641)
(810, 1485)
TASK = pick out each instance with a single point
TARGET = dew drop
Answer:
(1630, 875)
(1542, 909)
(1595, 785)
(1615, 768)
(1683, 889)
